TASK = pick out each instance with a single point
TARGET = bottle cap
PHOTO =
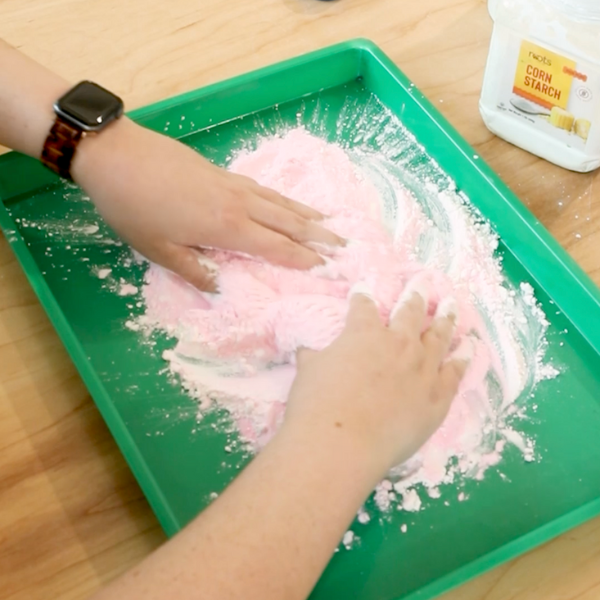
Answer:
(588, 10)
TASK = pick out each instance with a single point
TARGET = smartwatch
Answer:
(85, 109)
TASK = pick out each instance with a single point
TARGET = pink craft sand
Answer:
(238, 347)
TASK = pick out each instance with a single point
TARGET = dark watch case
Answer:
(89, 106)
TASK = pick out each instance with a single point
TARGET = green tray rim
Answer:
(584, 289)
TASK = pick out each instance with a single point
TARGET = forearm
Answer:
(27, 93)
(269, 535)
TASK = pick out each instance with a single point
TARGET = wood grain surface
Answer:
(71, 514)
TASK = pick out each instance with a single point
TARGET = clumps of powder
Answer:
(236, 349)
(526, 446)
(133, 325)
(348, 539)
(127, 289)
(384, 496)
(542, 369)
(411, 502)
(363, 516)
(89, 229)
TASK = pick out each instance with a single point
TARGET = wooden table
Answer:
(71, 515)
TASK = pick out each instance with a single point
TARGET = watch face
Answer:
(89, 106)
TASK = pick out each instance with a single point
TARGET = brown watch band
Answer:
(60, 146)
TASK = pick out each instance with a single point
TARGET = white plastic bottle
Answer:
(492, 4)
(541, 89)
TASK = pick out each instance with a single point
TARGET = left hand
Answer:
(167, 201)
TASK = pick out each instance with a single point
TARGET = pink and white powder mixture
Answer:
(236, 349)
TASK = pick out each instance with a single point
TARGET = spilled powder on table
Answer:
(236, 349)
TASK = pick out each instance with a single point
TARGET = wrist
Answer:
(42, 117)
(84, 111)
(336, 452)
(97, 150)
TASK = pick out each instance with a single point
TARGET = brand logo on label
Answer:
(541, 58)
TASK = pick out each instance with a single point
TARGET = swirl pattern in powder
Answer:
(237, 348)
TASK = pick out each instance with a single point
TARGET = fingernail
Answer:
(211, 288)
(328, 269)
(320, 215)
(208, 263)
(322, 248)
(207, 287)
(416, 286)
(447, 309)
(361, 288)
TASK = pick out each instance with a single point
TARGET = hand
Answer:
(380, 390)
(362, 405)
(167, 201)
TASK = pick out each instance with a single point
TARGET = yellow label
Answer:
(544, 77)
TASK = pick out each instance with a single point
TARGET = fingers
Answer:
(191, 265)
(408, 315)
(273, 218)
(363, 311)
(277, 248)
(297, 207)
(438, 338)
(276, 198)
(453, 371)
(290, 223)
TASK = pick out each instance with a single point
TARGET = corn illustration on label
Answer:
(582, 128)
(544, 77)
(561, 118)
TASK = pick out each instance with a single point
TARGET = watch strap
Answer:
(60, 146)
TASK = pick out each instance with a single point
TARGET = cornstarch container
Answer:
(541, 89)
(492, 5)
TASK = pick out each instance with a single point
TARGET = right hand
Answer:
(380, 390)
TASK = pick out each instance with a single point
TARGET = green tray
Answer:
(179, 462)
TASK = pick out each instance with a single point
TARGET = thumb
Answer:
(191, 265)
(303, 355)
